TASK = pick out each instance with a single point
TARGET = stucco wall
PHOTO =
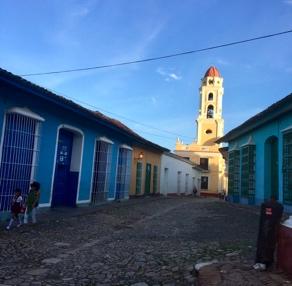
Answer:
(259, 137)
(169, 177)
(56, 116)
(150, 157)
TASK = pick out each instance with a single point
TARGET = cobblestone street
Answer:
(147, 241)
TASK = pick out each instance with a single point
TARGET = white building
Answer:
(178, 175)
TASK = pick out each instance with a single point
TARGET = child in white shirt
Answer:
(16, 207)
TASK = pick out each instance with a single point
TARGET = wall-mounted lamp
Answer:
(140, 156)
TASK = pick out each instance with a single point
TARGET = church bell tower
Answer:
(204, 151)
(210, 123)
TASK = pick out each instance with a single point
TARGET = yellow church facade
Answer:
(210, 127)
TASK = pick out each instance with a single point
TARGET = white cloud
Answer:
(168, 75)
(288, 2)
(153, 100)
(80, 12)
(65, 35)
(174, 76)
(223, 62)
(161, 71)
(248, 66)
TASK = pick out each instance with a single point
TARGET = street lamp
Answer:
(140, 156)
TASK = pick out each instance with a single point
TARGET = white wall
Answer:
(170, 167)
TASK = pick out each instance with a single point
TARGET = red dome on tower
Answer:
(212, 71)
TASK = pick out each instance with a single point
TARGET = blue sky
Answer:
(51, 35)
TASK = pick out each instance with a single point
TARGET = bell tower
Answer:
(204, 151)
(210, 123)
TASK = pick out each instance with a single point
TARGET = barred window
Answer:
(139, 178)
(123, 173)
(233, 172)
(287, 168)
(19, 159)
(204, 183)
(101, 171)
(248, 156)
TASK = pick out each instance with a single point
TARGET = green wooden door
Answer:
(155, 179)
(148, 179)
(271, 167)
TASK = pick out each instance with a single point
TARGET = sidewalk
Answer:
(48, 214)
(238, 274)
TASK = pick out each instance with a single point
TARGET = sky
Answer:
(158, 99)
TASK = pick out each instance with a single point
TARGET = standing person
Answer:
(195, 191)
(271, 214)
(16, 207)
(32, 202)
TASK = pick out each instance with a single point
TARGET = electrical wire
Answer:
(159, 57)
(123, 117)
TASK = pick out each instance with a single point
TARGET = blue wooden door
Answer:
(65, 182)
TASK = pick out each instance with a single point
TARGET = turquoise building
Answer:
(78, 156)
(260, 156)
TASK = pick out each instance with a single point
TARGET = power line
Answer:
(161, 57)
(124, 117)
(157, 135)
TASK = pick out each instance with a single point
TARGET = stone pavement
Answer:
(240, 274)
(146, 241)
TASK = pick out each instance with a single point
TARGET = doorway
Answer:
(148, 179)
(165, 182)
(204, 183)
(67, 169)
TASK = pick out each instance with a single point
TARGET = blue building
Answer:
(260, 156)
(78, 156)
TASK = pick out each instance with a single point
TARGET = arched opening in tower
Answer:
(210, 111)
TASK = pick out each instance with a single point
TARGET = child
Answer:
(16, 207)
(32, 202)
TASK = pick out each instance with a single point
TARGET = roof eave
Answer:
(240, 131)
(85, 113)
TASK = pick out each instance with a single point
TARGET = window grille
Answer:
(204, 183)
(155, 179)
(139, 178)
(248, 155)
(233, 172)
(287, 168)
(19, 157)
(101, 172)
(123, 173)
